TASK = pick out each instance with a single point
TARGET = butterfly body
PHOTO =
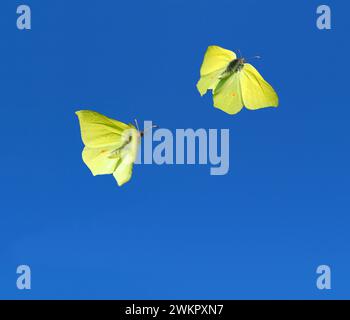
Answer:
(235, 66)
(234, 83)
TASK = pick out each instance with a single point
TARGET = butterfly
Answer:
(234, 83)
(111, 146)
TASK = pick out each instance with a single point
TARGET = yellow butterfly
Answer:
(234, 82)
(111, 146)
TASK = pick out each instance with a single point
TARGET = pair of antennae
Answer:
(255, 57)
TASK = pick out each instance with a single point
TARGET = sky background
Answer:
(174, 232)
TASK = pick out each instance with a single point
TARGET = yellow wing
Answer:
(228, 95)
(109, 161)
(98, 131)
(216, 60)
(256, 92)
(101, 160)
(123, 172)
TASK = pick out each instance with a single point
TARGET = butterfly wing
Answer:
(101, 160)
(123, 172)
(228, 95)
(256, 92)
(98, 131)
(216, 60)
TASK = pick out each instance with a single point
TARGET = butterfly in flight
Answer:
(111, 146)
(234, 83)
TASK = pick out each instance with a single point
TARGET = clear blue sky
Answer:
(174, 231)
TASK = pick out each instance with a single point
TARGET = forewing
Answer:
(216, 59)
(99, 131)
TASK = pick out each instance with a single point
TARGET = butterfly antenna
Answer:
(239, 52)
(137, 125)
(255, 57)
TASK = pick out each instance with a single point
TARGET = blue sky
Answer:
(174, 231)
